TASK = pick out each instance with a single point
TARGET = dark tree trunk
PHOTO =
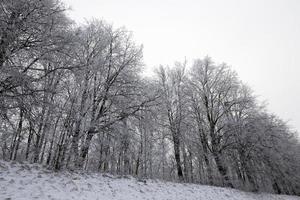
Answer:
(43, 151)
(209, 170)
(222, 169)
(85, 148)
(36, 151)
(191, 166)
(176, 143)
(206, 160)
(138, 161)
(52, 142)
(60, 151)
(276, 188)
(18, 135)
(42, 140)
(100, 163)
(38, 139)
(75, 141)
(29, 140)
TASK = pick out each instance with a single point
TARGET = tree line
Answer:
(72, 97)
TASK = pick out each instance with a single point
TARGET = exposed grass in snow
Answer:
(30, 181)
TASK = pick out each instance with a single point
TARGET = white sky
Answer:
(260, 39)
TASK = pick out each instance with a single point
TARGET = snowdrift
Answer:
(30, 181)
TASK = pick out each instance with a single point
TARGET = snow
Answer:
(31, 181)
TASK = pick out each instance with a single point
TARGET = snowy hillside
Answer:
(26, 181)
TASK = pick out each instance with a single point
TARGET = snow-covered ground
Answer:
(27, 181)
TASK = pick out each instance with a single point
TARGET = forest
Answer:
(74, 97)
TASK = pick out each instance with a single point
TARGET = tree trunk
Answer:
(52, 142)
(18, 135)
(29, 140)
(85, 148)
(43, 151)
(42, 140)
(176, 144)
(191, 166)
(223, 170)
(185, 165)
(75, 141)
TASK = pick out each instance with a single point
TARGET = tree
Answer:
(171, 84)
(72, 97)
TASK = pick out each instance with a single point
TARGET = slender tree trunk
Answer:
(18, 135)
(60, 151)
(42, 138)
(13, 145)
(52, 142)
(29, 140)
(207, 162)
(38, 136)
(107, 154)
(140, 153)
(43, 151)
(100, 158)
(75, 141)
(191, 166)
(185, 164)
(85, 147)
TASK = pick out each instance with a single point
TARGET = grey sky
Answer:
(258, 38)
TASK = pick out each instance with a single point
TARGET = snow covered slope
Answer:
(26, 181)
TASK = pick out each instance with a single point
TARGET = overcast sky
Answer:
(260, 39)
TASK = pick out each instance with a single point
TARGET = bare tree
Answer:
(171, 83)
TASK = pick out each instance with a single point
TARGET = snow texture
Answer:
(30, 181)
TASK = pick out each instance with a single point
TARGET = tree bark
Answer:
(85, 147)
(176, 144)
(222, 169)
(18, 135)
(29, 140)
